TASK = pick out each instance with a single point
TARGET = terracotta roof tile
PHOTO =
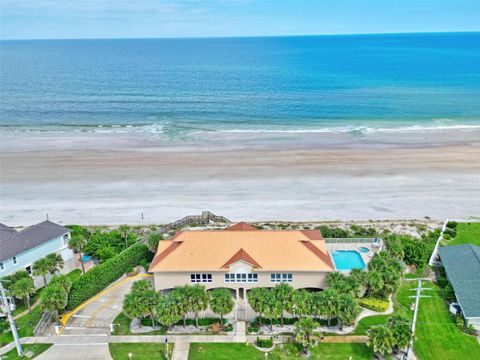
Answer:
(274, 250)
(241, 255)
(241, 226)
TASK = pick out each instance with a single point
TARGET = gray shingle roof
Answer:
(462, 265)
(6, 231)
(28, 238)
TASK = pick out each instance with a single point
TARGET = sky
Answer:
(54, 19)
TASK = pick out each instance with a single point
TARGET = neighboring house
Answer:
(20, 249)
(462, 266)
(240, 258)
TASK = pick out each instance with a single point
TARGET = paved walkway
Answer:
(181, 350)
(23, 313)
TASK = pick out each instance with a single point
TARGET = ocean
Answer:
(182, 89)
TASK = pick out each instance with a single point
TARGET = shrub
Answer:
(416, 252)
(99, 277)
(332, 232)
(378, 305)
(264, 343)
(452, 225)
(451, 232)
(360, 231)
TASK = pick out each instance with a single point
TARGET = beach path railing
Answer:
(205, 218)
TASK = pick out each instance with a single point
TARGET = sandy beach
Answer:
(113, 179)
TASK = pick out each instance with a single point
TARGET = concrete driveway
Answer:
(91, 323)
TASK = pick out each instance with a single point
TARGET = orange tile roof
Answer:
(241, 226)
(241, 255)
(271, 250)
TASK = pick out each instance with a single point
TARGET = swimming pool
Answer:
(348, 260)
(363, 249)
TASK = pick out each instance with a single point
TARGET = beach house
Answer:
(240, 258)
(20, 249)
(462, 267)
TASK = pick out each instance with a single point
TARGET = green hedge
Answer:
(100, 276)
(378, 305)
(264, 343)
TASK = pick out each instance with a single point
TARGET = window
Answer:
(28, 269)
(279, 278)
(2, 267)
(241, 278)
(14, 259)
(199, 278)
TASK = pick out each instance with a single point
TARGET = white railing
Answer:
(437, 244)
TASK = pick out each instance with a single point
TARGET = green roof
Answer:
(462, 265)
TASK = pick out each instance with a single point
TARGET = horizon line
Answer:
(245, 36)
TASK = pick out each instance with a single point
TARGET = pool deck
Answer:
(354, 244)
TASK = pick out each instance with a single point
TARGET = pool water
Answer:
(363, 249)
(348, 260)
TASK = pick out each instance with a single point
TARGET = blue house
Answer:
(20, 249)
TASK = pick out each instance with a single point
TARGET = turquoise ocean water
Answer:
(177, 87)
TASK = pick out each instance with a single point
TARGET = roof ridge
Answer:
(160, 256)
(474, 249)
(319, 253)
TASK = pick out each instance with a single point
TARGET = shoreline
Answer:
(114, 182)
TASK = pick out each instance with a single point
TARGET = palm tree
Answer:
(284, 296)
(348, 310)
(77, 243)
(304, 332)
(22, 290)
(221, 302)
(62, 280)
(124, 230)
(380, 339)
(328, 304)
(336, 280)
(167, 310)
(41, 267)
(198, 299)
(148, 302)
(180, 295)
(257, 298)
(274, 308)
(141, 286)
(53, 299)
(153, 241)
(55, 263)
(401, 331)
(375, 283)
(301, 304)
(130, 306)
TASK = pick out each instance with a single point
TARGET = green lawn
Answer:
(437, 337)
(23, 326)
(228, 351)
(140, 351)
(74, 274)
(365, 323)
(467, 233)
(35, 349)
(122, 326)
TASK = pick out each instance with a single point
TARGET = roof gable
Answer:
(241, 255)
(241, 226)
